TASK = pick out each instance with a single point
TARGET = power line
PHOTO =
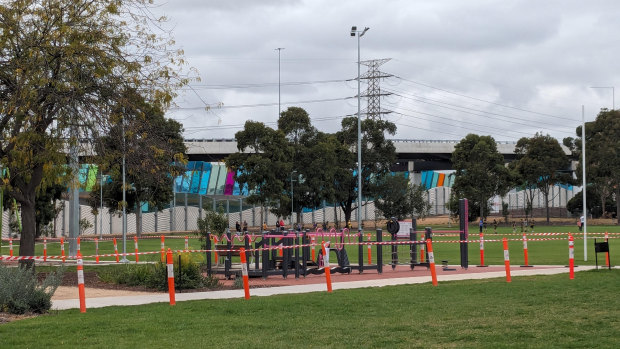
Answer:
(451, 124)
(482, 100)
(258, 85)
(222, 106)
(507, 118)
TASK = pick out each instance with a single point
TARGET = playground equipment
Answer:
(296, 258)
(287, 253)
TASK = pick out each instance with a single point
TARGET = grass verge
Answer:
(537, 311)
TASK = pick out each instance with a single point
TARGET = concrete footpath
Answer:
(496, 272)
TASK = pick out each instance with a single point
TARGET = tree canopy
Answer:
(397, 197)
(480, 171)
(64, 65)
(602, 159)
(378, 155)
(541, 163)
(154, 155)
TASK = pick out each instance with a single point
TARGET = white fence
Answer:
(184, 214)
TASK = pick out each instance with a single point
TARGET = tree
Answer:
(262, 164)
(593, 203)
(154, 153)
(313, 154)
(215, 222)
(397, 197)
(541, 163)
(64, 65)
(602, 160)
(480, 171)
(46, 209)
(378, 154)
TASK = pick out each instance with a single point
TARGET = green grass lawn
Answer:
(537, 311)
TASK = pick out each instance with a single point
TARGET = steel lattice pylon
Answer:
(373, 92)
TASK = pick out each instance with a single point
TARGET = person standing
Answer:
(237, 227)
(481, 224)
(245, 226)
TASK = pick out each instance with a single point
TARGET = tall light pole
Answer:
(292, 206)
(613, 95)
(583, 181)
(279, 49)
(124, 223)
(359, 34)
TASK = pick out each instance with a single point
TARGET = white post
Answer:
(583, 178)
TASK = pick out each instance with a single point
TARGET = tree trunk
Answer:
(603, 203)
(138, 220)
(27, 240)
(618, 205)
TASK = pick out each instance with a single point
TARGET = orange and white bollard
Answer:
(244, 273)
(116, 250)
(506, 260)
(62, 249)
(571, 257)
(369, 248)
(482, 250)
(163, 249)
(606, 253)
(312, 242)
(79, 245)
(135, 245)
(45, 249)
(170, 267)
(280, 251)
(80, 275)
(525, 255)
(97, 250)
(11, 247)
(186, 243)
(216, 256)
(431, 261)
(328, 276)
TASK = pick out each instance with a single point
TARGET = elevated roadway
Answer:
(412, 155)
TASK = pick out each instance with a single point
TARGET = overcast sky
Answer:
(503, 68)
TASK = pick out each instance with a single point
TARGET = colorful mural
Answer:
(209, 178)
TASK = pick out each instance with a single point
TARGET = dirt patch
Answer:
(6, 317)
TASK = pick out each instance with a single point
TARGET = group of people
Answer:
(238, 227)
(524, 225)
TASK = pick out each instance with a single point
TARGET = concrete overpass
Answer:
(412, 155)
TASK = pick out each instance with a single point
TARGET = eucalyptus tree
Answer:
(480, 171)
(541, 163)
(378, 155)
(155, 154)
(64, 65)
(602, 159)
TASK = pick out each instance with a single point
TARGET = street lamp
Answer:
(359, 34)
(279, 49)
(292, 206)
(124, 223)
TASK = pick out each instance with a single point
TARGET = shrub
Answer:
(155, 276)
(21, 291)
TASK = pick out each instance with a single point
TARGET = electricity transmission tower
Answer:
(373, 92)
